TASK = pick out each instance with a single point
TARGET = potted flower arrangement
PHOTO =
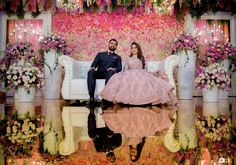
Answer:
(53, 46)
(210, 79)
(24, 78)
(16, 52)
(218, 52)
(213, 128)
(186, 47)
(215, 138)
(19, 53)
(185, 42)
(19, 136)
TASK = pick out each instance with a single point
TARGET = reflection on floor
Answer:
(120, 134)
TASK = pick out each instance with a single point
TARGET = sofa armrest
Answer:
(169, 63)
(67, 63)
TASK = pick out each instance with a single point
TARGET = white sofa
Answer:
(74, 85)
(75, 121)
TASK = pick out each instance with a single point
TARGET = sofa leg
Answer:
(67, 146)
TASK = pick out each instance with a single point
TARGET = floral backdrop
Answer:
(89, 33)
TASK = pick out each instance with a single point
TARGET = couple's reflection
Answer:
(103, 138)
(134, 123)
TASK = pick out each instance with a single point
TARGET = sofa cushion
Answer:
(80, 86)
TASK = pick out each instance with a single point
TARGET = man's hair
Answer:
(113, 40)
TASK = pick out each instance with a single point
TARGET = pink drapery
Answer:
(211, 32)
(25, 30)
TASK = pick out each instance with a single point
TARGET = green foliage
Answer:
(197, 9)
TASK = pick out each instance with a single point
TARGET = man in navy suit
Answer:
(104, 66)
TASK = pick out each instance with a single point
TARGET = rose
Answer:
(213, 76)
(185, 42)
(54, 42)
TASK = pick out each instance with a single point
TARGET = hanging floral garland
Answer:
(20, 7)
(158, 6)
(198, 7)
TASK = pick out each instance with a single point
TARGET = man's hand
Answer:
(113, 69)
(92, 68)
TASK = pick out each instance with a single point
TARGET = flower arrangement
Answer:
(54, 42)
(213, 76)
(25, 75)
(185, 155)
(185, 42)
(16, 52)
(213, 128)
(217, 51)
(18, 136)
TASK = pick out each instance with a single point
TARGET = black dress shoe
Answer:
(90, 103)
(105, 104)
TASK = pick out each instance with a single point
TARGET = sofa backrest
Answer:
(81, 68)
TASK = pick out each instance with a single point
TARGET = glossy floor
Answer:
(75, 126)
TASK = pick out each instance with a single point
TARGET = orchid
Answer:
(213, 76)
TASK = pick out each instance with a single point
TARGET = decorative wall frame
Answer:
(45, 16)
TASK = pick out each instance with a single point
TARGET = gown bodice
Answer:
(133, 63)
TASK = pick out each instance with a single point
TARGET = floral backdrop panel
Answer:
(89, 33)
(212, 30)
(26, 30)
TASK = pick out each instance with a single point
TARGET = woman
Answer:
(136, 86)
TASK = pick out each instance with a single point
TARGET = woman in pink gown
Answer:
(136, 86)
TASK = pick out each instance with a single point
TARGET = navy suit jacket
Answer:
(103, 61)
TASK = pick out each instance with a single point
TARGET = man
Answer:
(104, 139)
(104, 66)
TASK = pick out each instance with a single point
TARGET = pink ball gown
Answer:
(136, 86)
(138, 122)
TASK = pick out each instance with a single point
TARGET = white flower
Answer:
(8, 130)
(9, 77)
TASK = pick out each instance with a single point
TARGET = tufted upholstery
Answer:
(74, 86)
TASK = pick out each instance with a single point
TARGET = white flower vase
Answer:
(26, 95)
(24, 108)
(210, 95)
(186, 74)
(233, 84)
(223, 94)
(16, 95)
(186, 124)
(52, 73)
(52, 126)
(224, 107)
(225, 64)
(210, 109)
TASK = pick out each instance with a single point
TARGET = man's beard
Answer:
(111, 48)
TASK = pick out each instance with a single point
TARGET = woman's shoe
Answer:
(111, 156)
(133, 153)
